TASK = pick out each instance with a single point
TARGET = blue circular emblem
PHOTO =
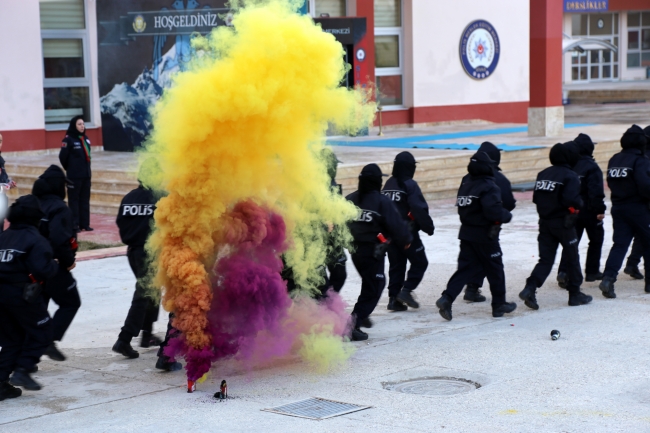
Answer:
(479, 49)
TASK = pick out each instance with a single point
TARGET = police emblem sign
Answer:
(479, 49)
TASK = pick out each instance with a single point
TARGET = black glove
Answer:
(570, 220)
(380, 250)
(32, 292)
(493, 233)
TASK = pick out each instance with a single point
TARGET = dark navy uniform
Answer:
(336, 259)
(134, 219)
(557, 196)
(592, 194)
(632, 265)
(628, 178)
(481, 214)
(377, 214)
(75, 159)
(25, 326)
(414, 210)
(57, 227)
(4, 178)
(472, 292)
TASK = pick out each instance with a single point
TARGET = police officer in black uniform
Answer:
(378, 224)
(134, 219)
(473, 289)
(336, 259)
(75, 159)
(57, 227)
(481, 215)
(628, 178)
(409, 201)
(25, 326)
(557, 196)
(633, 260)
(590, 218)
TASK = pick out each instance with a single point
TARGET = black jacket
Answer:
(377, 214)
(591, 185)
(73, 157)
(408, 198)
(57, 227)
(135, 216)
(479, 201)
(558, 187)
(508, 200)
(502, 182)
(4, 177)
(628, 177)
(23, 251)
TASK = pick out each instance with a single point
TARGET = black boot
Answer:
(633, 271)
(9, 391)
(507, 307)
(607, 287)
(149, 340)
(125, 349)
(54, 353)
(366, 323)
(594, 277)
(473, 294)
(358, 335)
(579, 298)
(647, 287)
(164, 363)
(22, 378)
(528, 296)
(562, 280)
(393, 305)
(444, 307)
(406, 297)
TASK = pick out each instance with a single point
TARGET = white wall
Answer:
(21, 66)
(439, 78)
(91, 22)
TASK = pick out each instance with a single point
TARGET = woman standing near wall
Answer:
(75, 159)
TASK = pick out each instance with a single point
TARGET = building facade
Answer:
(427, 61)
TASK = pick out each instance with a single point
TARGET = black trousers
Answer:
(144, 310)
(596, 235)
(171, 333)
(629, 221)
(338, 274)
(479, 259)
(25, 331)
(79, 202)
(62, 289)
(398, 258)
(634, 258)
(551, 235)
(373, 281)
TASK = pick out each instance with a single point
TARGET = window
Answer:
(66, 70)
(388, 52)
(638, 39)
(328, 8)
(600, 63)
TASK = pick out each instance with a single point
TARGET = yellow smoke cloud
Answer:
(246, 121)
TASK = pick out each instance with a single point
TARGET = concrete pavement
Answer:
(593, 379)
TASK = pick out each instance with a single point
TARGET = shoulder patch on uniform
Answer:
(64, 144)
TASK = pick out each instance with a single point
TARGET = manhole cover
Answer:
(316, 408)
(433, 386)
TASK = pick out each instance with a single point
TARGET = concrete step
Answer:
(438, 177)
(583, 97)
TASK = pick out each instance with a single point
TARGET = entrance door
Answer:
(594, 65)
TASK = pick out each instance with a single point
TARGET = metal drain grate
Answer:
(316, 408)
(433, 386)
